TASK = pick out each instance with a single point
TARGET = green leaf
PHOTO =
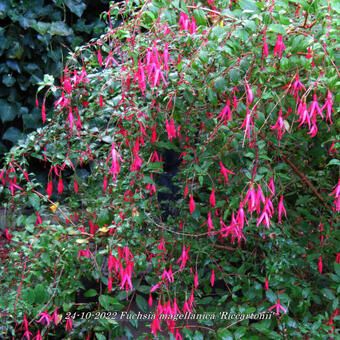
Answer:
(90, 293)
(337, 268)
(224, 334)
(333, 162)
(108, 302)
(8, 80)
(76, 6)
(212, 96)
(249, 5)
(220, 84)
(12, 134)
(35, 201)
(234, 75)
(60, 28)
(200, 18)
(40, 27)
(100, 336)
(141, 303)
(277, 28)
(7, 111)
(198, 336)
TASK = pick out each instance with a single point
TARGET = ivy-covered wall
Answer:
(35, 36)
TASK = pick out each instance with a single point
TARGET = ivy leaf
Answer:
(60, 28)
(76, 6)
(7, 111)
(12, 134)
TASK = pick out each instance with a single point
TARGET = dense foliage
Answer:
(192, 159)
(35, 36)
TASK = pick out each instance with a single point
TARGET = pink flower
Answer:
(281, 209)
(315, 108)
(196, 280)
(266, 283)
(225, 113)
(320, 265)
(246, 124)
(49, 188)
(183, 258)
(279, 126)
(328, 105)
(210, 224)
(212, 278)
(60, 186)
(191, 204)
(155, 287)
(69, 325)
(278, 307)
(38, 336)
(265, 45)
(100, 58)
(336, 194)
(150, 300)
(55, 316)
(212, 198)
(279, 46)
(186, 191)
(297, 86)
(43, 113)
(249, 94)
(75, 186)
(155, 325)
(225, 172)
(45, 318)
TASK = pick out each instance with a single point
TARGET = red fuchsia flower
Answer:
(337, 257)
(49, 189)
(212, 198)
(115, 166)
(212, 278)
(150, 300)
(297, 86)
(320, 265)
(250, 198)
(196, 280)
(313, 131)
(186, 190)
(191, 204)
(168, 275)
(281, 209)
(279, 126)
(161, 245)
(309, 54)
(271, 185)
(183, 258)
(266, 284)
(277, 306)
(183, 21)
(155, 287)
(100, 58)
(43, 113)
(279, 46)
(155, 325)
(109, 284)
(60, 186)
(225, 113)
(225, 172)
(8, 235)
(126, 279)
(170, 129)
(259, 198)
(315, 108)
(109, 60)
(55, 316)
(246, 124)
(249, 94)
(27, 334)
(265, 45)
(303, 114)
(336, 194)
(69, 325)
(331, 320)
(234, 229)
(264, 218)
(38, 221)
(193, 26)
(75, 186)
(38, 336)
(328, 105)
(105, 184)
(85, 253)
(210, 224)
(45, 318)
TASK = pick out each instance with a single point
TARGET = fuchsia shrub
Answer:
(245, 93)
